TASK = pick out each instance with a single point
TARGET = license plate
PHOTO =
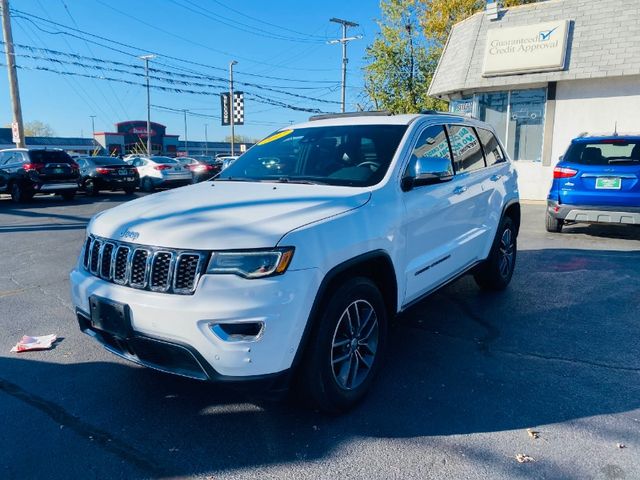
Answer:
(608, 183)
(122, 172)
(58, 170)
(111, 317)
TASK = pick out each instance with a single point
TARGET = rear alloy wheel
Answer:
(91, 188)
(553, 225)
(20, 194)
(346, 346)
(496, 271)
(147, 185)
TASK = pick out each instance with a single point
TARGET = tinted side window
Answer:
(431, 144)
(492, 151)
(467, 153)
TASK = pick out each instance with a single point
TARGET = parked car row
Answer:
(26, 172)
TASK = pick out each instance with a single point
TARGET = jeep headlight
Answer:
(251, 263)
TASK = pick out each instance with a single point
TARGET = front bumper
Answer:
(174, 333)
(594, 214)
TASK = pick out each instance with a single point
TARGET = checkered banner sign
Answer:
(237, 108)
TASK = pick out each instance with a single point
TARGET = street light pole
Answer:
(231, 64)
(206, 141)
(13, 74)
(146, 59)
(93, 126)
(186, 151)
(344, 40)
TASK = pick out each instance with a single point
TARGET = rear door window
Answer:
(467, 153)
(492, 151)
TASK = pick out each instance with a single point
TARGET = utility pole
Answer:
(344, 40)
(186, 151)
(206, 141)
(231, 114)
(13, 74)
(146, 59)
(93, 126)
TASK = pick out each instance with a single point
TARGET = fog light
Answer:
(238, 332)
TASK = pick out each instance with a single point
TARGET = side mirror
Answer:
(560, 158)
(428, 171)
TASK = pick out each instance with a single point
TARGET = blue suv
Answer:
(596, 181)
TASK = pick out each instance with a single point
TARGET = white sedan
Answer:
(157, 171)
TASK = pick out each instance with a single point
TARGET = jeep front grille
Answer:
(144, 267)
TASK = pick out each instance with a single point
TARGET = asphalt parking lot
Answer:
(467, 374)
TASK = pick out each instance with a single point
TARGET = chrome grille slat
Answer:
(162, 270)
(94, 261)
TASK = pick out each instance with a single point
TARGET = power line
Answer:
(254, 96)
(216, 17)
(160, 75)
(30, 16)
(264, 22)
(117, 98)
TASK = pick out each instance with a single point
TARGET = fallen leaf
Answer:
(522, 458)
(533, 433)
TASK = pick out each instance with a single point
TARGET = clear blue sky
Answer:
(285, 39)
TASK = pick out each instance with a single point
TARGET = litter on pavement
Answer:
(34, 343)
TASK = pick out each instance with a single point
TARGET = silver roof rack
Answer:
(325, 116)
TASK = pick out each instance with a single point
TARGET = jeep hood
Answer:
(224, 215)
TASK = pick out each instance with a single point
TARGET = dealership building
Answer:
(544, 73)
(128, 137)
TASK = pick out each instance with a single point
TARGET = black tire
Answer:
(553, 225)
(334, 385)
(68, 195)
(146, 185)
(91, 188)
(19, 194)
(129, 190)
(496, 271)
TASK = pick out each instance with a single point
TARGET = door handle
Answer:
(495, 178)
(459, 190)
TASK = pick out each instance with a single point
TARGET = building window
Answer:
(492, 108)
(526, 124)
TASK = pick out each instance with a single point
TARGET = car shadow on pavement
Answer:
(560, 344)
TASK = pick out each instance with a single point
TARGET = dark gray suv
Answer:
(25, 172)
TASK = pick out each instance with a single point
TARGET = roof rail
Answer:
(325, 116)
(439, 112)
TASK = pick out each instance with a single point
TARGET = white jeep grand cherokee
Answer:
(292, 262)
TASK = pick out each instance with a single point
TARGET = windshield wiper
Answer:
(233, 179)
(302, 181)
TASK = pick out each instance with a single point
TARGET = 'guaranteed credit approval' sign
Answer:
(532, 48)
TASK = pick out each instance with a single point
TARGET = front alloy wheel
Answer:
(355, 344)
(345, 346)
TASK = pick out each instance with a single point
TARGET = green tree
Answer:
(399, 70)
(404, 55)
(36, 128)
(239, 139)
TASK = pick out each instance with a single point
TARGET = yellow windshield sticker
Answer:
(275, 136)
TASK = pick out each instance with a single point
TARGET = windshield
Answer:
(352, 155)
(604, 152)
